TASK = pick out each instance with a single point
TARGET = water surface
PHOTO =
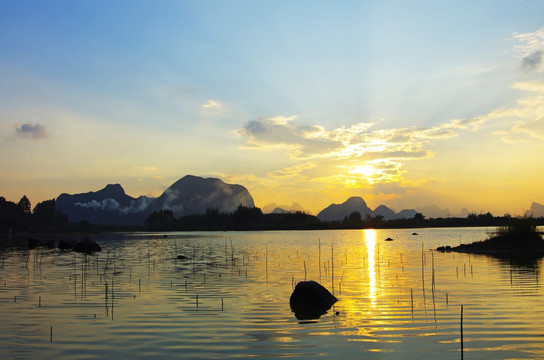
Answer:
(227, 296)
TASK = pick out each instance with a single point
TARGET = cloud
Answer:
(212, 104)
(30, 131)
(145, 168)
(534, 128)
(356, 154)
(357, 141)
(535, 85)
(136, 205)
(282, 132)
(533, 62)
(531, 49)
(363, 155)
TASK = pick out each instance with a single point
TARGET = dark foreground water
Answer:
(229, 298)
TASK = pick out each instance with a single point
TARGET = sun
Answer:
(365, 170)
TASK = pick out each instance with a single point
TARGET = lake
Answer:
(227, 296)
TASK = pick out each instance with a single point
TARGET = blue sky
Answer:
(404, 103)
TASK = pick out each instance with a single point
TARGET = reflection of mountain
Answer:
(189, 195)
(335, 212)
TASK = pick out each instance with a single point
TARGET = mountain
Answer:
(194, 195)
(111, 205)
(339, 211)
(406, 214)
(536, 210)
(433, 211)
(282, 209)
(464, 213)
(384, 211)
(279, 210)
(189, 195)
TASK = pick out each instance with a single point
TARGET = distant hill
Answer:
(536, 210)
(384, 211)
(337, 212)
(406, 214)
(189, 195)
(433, 211)
(283, 209)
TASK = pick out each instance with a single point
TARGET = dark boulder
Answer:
(87, 246)
(310, 300)
(34, 243)
(67, 244)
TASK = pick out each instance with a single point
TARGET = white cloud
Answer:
(531, 50)
(534, 85)
(212, 104)
(145, 168)
(534, 128)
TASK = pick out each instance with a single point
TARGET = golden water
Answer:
(229, 298)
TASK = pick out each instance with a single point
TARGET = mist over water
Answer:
(226, 295)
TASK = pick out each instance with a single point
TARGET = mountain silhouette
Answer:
(337, 212)
(274, 208)
(111, 205)
(406, 214)
(189, 195)
(536, 210)
(384, 211)
(194, 195)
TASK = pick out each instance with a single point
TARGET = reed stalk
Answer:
(461, 327)
(412, 300)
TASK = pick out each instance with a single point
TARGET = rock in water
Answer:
(34, 243)
(67, 244)
(310, 300)
(87, 246)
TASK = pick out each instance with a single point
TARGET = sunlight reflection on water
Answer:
(228, 297)
(370, 242)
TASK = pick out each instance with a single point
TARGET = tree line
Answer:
(20, 217)
(248, 218)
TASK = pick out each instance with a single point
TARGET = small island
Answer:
(519, 238)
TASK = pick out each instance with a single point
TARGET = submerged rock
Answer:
(87, 246)
(310, 300)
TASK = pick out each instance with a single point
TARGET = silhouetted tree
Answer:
(353, 221)
(374, 222)
(213, 219)
(45, 215)
(12, 216)
(246, 217)
(161, 220)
